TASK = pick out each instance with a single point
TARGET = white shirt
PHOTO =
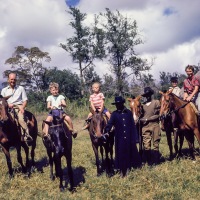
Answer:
(176, 91)
(18, 95)
(55, 100)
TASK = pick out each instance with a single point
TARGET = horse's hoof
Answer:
(72, 189)
(62, 189)
(11, 176)
(52, 178)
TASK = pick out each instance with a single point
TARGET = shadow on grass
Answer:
(78, 173)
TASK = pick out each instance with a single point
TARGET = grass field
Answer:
(177, 179)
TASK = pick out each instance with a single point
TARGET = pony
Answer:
(96, 131)
(58, 144)
(184, 115)
(10, 136)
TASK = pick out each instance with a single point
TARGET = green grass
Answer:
(177, 179)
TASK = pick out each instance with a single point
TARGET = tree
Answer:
(83, 46)
(121, 37)
(69, 83)
(28, 65)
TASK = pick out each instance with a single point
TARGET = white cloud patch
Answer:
(170, 29)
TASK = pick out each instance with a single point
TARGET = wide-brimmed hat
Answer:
(118, 100)
(174, 79)
(147, 92)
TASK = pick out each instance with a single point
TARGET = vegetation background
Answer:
(177, 179)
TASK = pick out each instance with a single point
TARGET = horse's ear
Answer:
(170, 90)
(129, 99)
(46, 122)
(138, 97)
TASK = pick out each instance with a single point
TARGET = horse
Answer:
(57, 145)
(96, 131)
(136, 108)
(185, 117)
(167, 125)
(10, 136)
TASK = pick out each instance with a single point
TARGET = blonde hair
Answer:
(53, 85)
(96, 83)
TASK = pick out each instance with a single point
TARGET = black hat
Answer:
(147, 92)
(119, 99)
(174, 79)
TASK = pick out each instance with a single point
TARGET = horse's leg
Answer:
(102, 160)
(8, 160)
(181, 139)
(59, 172)
(49, 153)
(169, 142)
(68, 156)
(19, 158)
(26, 149)
(33, 146)
(95, 148)
(190, 139)
(197, 134)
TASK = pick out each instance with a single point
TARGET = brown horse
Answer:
(136, 108)
(57, 145)
(96, 130)
(184, 116)
(10, 136)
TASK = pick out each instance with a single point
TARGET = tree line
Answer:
(112, 38)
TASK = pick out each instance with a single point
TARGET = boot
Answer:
(156, 157)
(147, 154)
(27, 137)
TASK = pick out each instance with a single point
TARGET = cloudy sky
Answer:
(170, 28)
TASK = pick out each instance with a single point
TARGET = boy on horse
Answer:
(17, 103)
(55, 103)
(174, 85)
(96, 103)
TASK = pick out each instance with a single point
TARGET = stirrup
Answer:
(74, 134)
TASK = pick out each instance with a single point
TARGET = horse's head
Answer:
(98, 124)
(135, 106)
(57, 133)
(164, 107)
(3, 109)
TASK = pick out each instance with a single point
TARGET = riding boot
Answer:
(147, 154)
(156, 155)
(27, 137)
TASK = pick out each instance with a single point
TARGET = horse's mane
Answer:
(172, 94)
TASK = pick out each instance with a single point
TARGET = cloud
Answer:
(169, 28)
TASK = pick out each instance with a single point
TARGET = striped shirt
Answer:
(97, 99)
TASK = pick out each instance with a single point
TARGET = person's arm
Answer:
(63, 103)
(92, 106)
(110, 124)
(189, 97)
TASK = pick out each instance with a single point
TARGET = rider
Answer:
(191, 87)
(55, 103)
(174, 85)
(96, 102)
(17, 101)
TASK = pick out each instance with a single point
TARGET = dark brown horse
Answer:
(96, 130)
(184, 116)
(10, 136)
(57, 145)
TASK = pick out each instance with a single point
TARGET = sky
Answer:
(170, 30)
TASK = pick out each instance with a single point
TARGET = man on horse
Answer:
(191, 87)
(17, 103)
(150, 125)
